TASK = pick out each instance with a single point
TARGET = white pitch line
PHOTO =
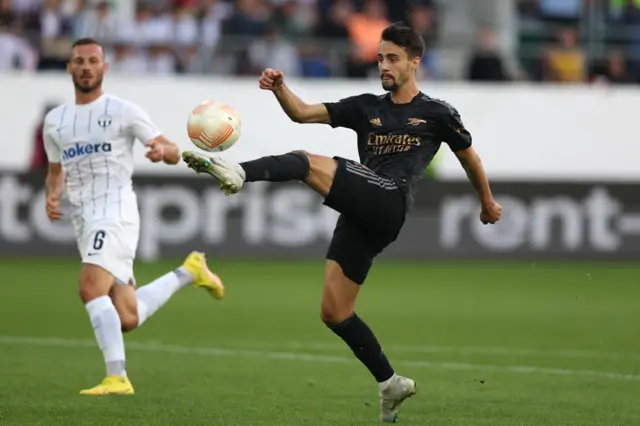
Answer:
(454, 350)
(302, 357)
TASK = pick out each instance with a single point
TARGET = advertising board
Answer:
(270, 221)
(521, 131)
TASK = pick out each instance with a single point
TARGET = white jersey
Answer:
(94, 143)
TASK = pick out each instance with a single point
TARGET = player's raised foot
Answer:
(230, 175)
(111, 385)
(196, 264)
(399, 389)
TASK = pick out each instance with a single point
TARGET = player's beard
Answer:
(390, 85)
(393, 83)
(88, 87)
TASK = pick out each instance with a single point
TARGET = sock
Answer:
(152, 296)
(108, 331)
(365, 347)
(277, 168)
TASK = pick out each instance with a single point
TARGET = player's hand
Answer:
(271, 79)
(490, 213)
(53, 208)
(156, 151)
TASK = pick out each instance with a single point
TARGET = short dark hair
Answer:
(86, 41)
(406, 37)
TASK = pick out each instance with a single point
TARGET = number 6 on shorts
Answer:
(98, 240)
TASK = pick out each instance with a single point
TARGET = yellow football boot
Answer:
(196, 265)
(111, 385)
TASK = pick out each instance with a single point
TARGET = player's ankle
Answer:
(116, 369)
(384, 385)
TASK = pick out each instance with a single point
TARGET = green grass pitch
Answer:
(488, 343)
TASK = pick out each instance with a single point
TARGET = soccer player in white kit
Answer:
(89, 144)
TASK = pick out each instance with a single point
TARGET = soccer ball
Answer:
(213, 126)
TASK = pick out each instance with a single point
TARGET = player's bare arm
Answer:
(472, 164)
(54, 187)
(297, 110)
(162, 149)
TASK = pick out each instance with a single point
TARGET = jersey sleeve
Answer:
(345, 113)
(453, 131)
(51, 148)
(140, 125)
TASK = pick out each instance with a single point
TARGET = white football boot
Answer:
(230, 175)
(391, 397)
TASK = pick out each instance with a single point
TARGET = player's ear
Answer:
(415, 63)
(105, 67)
(69, 67)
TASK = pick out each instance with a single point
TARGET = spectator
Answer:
(315, 38)
(422, 17)
(274, 51)
(565, 63)
(612, 70)
(486, 64)
(626, 15)
(15, 51)
(296, 19)
(333, 26)
(97, 22)
(249, 19)
(364, 31)
(627, 11)
(126, 60)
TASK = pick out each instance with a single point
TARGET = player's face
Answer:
(395, 65)
(87, 67)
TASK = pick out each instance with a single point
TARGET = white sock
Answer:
(108, 331)
(155, 294)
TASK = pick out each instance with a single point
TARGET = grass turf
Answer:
(488, 343)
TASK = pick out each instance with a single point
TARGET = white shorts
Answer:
(111, 245)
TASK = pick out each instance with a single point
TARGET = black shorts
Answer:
(373, 211)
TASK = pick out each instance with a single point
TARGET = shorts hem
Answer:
(358, 279)
(118, 277)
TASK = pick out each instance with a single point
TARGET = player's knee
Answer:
(129, 322)
(314, 162)
(94, 282)
(89, 290)
(303, 153)
(332, 313)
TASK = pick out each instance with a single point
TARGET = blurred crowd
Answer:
(580, 40)
(556, 40)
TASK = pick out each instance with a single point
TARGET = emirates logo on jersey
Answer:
(104, 121)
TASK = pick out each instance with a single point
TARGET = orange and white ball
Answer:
(214, 126)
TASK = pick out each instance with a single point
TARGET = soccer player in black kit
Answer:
(398, 135)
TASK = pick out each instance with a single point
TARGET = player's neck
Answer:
(87, 98)
(405, 94)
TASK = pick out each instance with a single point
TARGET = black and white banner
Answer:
(179, 214)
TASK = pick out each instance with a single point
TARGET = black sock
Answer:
(365, 346)
(277, 168)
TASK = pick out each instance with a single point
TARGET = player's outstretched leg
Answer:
(232, 176)
(136, 306)
(194, 271)
(125, 309)
(338, 313)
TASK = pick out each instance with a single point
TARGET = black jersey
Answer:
(399, 141)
